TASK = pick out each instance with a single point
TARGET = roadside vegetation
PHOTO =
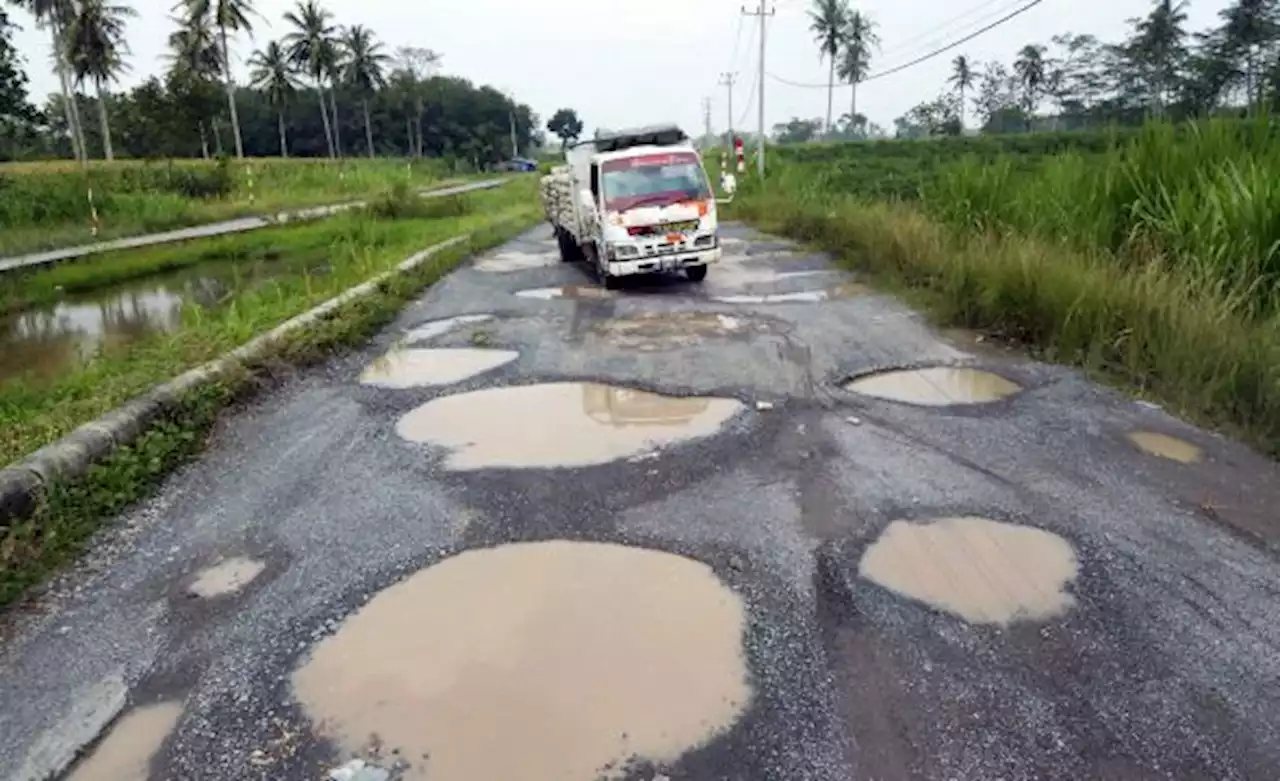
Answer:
(47, 206)
(1153, 260)
(319, 260)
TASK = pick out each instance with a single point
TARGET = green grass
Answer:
(70, 512)
(1177, 310)
(47, 206)
(34, 412)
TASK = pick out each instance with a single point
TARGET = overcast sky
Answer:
(655, 60)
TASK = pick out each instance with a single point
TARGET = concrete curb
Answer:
(22, 482)
(223, 228)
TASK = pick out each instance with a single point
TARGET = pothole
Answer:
(226, 577)
(516, 260)
(846, 290)
(126, 752)
(737, 274)
(414, 368)
(541, 661)
(431, 330)
(566, 291)
(653, 331)
(938, 386)
(980, 570)
(1164, 446)
(564, 424)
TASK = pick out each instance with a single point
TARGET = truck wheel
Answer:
(568, 247)
(611, 281)
(696, 273)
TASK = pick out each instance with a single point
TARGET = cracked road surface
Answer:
(694, 531)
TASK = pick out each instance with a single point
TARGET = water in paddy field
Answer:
(44, 341)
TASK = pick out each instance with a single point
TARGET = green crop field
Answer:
(1151, 256)
(47, 205)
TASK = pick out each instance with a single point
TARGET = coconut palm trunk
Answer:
(324, 116)
(337, 130)
(368, 127)
(284, 135)
(853, 105)
(68, 94)
(107, 151)
(831, 90)
(231, 92)
(204, 141)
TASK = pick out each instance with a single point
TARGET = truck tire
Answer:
(696, 273)
(569, 250)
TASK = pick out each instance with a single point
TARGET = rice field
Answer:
(47, 205)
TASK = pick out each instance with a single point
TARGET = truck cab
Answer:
(635, 202)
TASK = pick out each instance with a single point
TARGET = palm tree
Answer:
(1157, 45)
(1030, 70)
(96, 49)
(365, 70)
(1250, 28)
(194, 57)
(962, 78)
(827, 22)
(311, 48)
(334, 56)
(272, 72)
(57, 16)
(228, 16)
(859, 39)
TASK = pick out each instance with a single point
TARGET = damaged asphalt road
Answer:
(692, 531)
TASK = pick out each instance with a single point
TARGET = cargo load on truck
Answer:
(634, 202)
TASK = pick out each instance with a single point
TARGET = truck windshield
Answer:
(653, 180)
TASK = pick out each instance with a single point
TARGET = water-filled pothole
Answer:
(516, 260)
(539, 661)
(980, 570)
(1164, 446)
(566, 291)
(412, 368)
(226, 577)
(429, 331)
(562, 424)
(938, 386)
(126, 752)
(845, 290)
(652, 331)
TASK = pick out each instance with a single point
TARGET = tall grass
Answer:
(1205, 197)
(1153, 263)
(44, 207)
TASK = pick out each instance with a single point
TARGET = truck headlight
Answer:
(623, 251)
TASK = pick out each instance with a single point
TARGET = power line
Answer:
(942, 50)
(941, 29)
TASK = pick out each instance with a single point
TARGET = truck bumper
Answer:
(672, 262)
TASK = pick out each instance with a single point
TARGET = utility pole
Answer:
(706, 118)
(726, 81)
(764, 15)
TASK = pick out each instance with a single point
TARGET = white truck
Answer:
(634, 202)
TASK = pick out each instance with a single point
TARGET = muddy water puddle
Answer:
(428, 331)
(1166, 446)
(538, 661)
(126, 752)
(226, 577)
(425, 367)
(565, 424)
(937, 386)
(653, 331)
(980, 570)
(49, 339)
(567, 291)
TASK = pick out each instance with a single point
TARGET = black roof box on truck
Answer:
(654, 135)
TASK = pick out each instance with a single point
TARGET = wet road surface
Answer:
(717, 531)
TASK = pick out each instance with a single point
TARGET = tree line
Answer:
(323, 89)
(1161, 69)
